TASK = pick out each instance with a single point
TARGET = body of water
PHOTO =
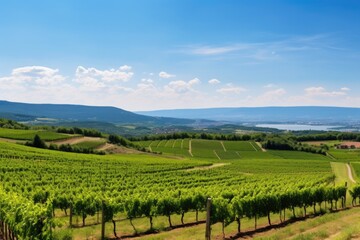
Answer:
(298, 127)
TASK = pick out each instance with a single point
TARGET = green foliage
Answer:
(80, 131)
(11, 124)
(19, 134)
(288, 143)
(38, 142)
(142, 185)
(26, 219)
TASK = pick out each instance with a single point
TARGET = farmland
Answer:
(18, 134)
(78, 187)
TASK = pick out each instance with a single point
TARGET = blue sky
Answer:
(157, 54)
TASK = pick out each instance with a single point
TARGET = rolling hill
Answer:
(75, 113)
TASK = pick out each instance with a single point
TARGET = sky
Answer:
(169, 54)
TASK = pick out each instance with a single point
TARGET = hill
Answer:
(68, 112)
(265, 114)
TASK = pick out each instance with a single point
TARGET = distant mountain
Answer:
(264, 114)
(67, 112)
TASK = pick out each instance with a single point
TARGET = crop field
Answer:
(29, 134)
(356, 168)
(209, 149)
(90, 144)
(144, 193)
(179, 147)
(345, 155)
(225, 150)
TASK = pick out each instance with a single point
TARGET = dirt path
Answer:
(253, 146)
(222, 144)
(217, 155)
(330, 156)
(190, 148)
(262, 149)
(115, 149)
(11, 140)
(150, 146)
(76, 140)
(215, 165)
(104, 147)
(350, 173)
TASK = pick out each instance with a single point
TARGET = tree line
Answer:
(282, 143)
(80, 131)
(39, 143)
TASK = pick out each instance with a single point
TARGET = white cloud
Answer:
(230, 89)
(104, 75)
(345, 89)
(125, 68)
(181, 86)
(166, 75)
(33, 75)
(322, 92)
(214, 81)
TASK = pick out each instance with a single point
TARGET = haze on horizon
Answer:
(160, 54)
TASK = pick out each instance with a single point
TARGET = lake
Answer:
(298, 127)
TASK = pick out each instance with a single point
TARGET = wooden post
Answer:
(102, 221)
(208, 223)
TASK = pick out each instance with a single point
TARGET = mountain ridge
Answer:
(74, 112)
(264, 114)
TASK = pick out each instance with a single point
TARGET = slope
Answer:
(70, 112)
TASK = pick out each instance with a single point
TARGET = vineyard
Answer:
(56, 195)
(19, 134)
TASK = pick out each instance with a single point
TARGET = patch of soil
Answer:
(76, 140)
(115, 149)
(356, 144)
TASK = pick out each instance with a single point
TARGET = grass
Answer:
(17, 134)
(341, 225)
(298, 155)
(215, 150)
(240, 146)
(340, 171)
(90, 144)
(345, 155)
(356, 170)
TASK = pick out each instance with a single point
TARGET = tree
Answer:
(38, 142)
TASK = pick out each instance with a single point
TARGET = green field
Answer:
(224, 150)
(90, 144)
(29, 134)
